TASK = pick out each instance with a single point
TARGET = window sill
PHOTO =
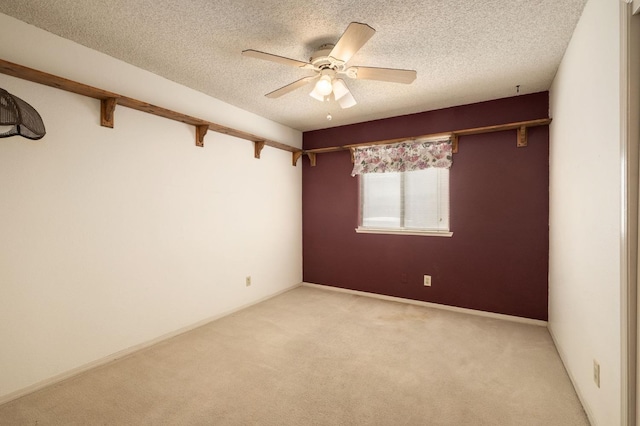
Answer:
(361, 230)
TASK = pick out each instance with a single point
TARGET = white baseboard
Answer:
(573, 381)
(432, 305)
(129, 351)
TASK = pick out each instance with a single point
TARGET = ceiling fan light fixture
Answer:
(347, 101)
(324, 86)
(315, 95)
(339, 88)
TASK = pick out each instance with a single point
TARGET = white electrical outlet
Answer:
(247, 281)
(427, 280)
(596, 373)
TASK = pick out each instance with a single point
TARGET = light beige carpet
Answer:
(317, 357)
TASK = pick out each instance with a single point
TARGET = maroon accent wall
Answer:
(497, 259)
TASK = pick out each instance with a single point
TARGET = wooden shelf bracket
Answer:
(107, 108)
(295, 156)
(201, 131)
(257, 148)
(312, 158)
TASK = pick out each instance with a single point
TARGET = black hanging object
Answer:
(20, 116)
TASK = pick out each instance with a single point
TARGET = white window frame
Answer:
(399, 230)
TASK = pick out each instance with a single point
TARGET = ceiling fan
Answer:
(329, 63)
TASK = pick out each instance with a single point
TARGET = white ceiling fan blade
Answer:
(274, 58)
(384, 74)
(354, 37)
(291, 87)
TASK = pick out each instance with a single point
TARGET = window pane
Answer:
(381, 206)
(417, 200)
(426, 199)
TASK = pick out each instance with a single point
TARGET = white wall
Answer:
(585, 209)
(110, 238)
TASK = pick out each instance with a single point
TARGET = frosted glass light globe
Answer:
(324, 86)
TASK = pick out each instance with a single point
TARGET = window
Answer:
(404, 187)
(414, 202)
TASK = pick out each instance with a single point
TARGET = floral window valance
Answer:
(402, 157)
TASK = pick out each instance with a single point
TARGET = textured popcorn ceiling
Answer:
(463, 51)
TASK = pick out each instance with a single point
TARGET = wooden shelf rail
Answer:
(109, 100)
(520, 126)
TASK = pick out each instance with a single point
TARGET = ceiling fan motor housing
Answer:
(321, 60)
